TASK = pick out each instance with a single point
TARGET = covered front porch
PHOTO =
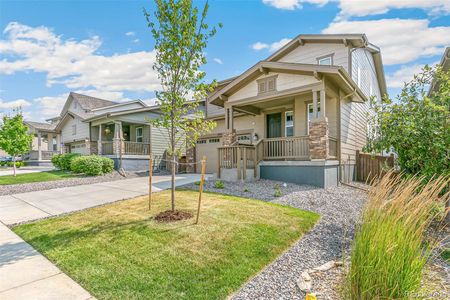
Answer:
(115, 138)
(46, 142)
(288, 130)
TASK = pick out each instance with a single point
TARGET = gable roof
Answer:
(335, 72)
(89, 103)
(358, 40)
(41, 126)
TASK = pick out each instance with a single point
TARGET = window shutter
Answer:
(262, 87)
(271, 84)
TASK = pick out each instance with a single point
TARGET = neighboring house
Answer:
(89, 125)
(445, 64)
(299, 115)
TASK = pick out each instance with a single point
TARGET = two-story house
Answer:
(299, 115)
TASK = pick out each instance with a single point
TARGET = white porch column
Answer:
(100, 138)
(314, 94)
(58, 143)
(50, 141)
(39, 145)
(322, 103)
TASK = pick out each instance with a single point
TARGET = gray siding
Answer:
(362, 62)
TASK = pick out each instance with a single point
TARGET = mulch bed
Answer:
(173, 216)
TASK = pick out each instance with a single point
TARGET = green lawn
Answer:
(35, 177)
(118, 251)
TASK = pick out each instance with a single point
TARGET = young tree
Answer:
(14, 137)
(181, 35)
(416, 126)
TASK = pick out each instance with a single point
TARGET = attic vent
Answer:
(268, 84)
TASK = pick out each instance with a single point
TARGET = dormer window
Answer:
(326, 60)
(267, 84)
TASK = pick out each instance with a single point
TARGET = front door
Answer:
(274, 125)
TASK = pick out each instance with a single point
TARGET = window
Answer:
(201, 142)
(75, 104)
(74, 129)
(243, 137)
(268, 84)
(215, 140)
(289, 123)
(325, 60)
(139, 134)
(310, 113)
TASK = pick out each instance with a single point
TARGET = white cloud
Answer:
(50, 106)
(292, 4)
(19, 103)
(404, 74)
(136, 41)
(259, 46)
(400, 40)
(218, 60)
(75, 64)
(375, 7)
(130, 33)
(271, 47)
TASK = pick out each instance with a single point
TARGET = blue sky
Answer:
(104, 48)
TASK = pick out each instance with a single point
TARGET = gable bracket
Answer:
(264, 70)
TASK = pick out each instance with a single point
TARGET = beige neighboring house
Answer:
(89, 125)
(299, 115)
(445, 64)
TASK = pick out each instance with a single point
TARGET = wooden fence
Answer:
(370, 166)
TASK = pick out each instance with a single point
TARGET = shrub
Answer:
(107, 165)
(277, 192)
(63, 161)
(219, 184)
(92, 165)
(389, 253)
(56, 160)
(18, 164)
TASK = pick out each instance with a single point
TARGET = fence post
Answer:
(244, 164)
(358, 163)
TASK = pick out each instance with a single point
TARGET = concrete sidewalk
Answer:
(26, 274)
(24, 170)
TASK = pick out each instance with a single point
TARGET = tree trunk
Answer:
(14, 166)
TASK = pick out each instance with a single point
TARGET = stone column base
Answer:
(229, 138)
(318, 139)
(190, 160)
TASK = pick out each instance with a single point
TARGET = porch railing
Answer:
(128, 148)
(107, 148)
(135, 148)
(286, 148)
(239, 157)
(332, 147)
(34, 155)
(243, 157)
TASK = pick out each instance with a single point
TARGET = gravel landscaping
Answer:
(47, 185)
(339, 209)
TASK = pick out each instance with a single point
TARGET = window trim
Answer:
(285, 122)
(74, 129)
(140, 136)
(307, 114)
(330, 56)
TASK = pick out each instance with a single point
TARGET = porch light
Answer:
(255, 137)
(107, 130)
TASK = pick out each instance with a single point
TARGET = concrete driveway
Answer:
(30, 206)
(24, 272)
